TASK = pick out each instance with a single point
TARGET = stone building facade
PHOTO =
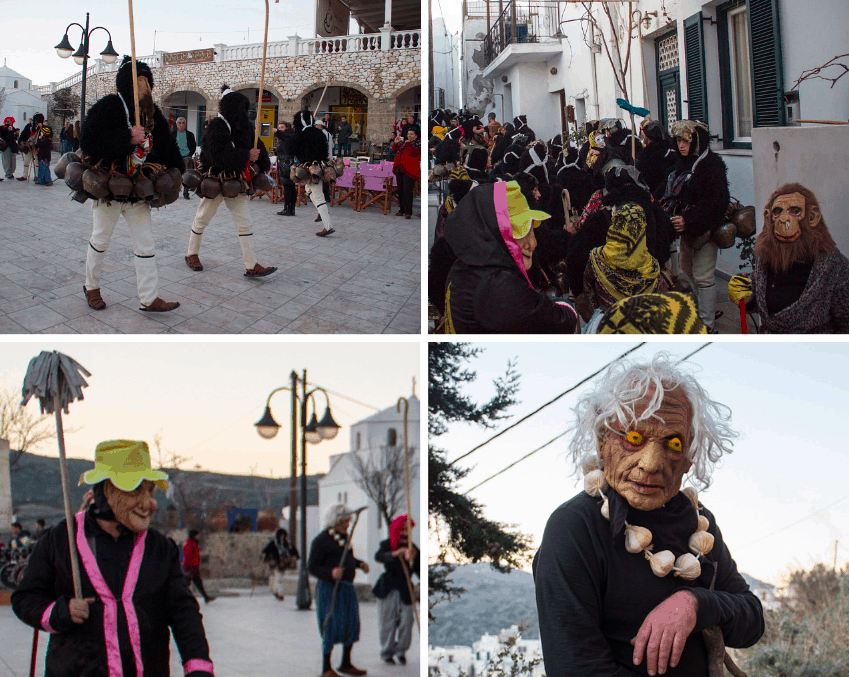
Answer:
(385, 69)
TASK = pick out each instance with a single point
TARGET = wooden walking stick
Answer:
(261, 77)
(321, 98)
(408, 526)
(133, 64)
(56, 380)
(34, 652)
(327, 618)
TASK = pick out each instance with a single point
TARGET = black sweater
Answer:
(160, 598)
(325, 555)
(393, 577)
(593, 595)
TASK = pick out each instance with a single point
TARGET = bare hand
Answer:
(337, 573)
(364, 567)
(137, 135)
(79, 609)
(254, 154)
(662, 635)
(677, 223)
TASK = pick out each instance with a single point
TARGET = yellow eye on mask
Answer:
(675, 444)
(634, 438)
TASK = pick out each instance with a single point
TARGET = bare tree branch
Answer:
(23, 430)
(381, 477)
(814, 73)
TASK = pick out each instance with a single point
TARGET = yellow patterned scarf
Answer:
(623, 265)
(459, 172)
(669, 313)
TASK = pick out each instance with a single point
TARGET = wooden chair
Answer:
(302, 195)
(347, 188)
(377, 187)
(275, 193)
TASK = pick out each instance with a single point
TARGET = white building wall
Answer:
(477, 90)
(446, 64)
(22, 102)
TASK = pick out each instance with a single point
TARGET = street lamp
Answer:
(313, 432)
(64, 50)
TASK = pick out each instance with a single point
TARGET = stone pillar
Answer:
(380, 119)
(385, 36)
(219, 52)
(5, 487)
(292, 47)
(387, 14)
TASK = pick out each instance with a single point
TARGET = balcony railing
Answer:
(521, 22)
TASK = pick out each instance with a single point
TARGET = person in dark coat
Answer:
(30, 132)
(110, 138)
(656, 159)
(696, 198)
(228, 150)
(311, 148)
(185, 141)
(488, 290)
(326, 564)
(279, 555)
(284, 139)
(134, 596)
(394, 604)
(608, 600)
(9, 135)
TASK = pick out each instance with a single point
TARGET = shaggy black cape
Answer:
(448, 150)
(659, 232)
(227, 149)
(105, 134)
(655, 163)
(310, 143)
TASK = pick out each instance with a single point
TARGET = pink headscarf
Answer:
(9, 121)
(396, 528)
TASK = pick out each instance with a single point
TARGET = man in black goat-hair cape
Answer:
(228, 150)
(108, 137)
(311, 146)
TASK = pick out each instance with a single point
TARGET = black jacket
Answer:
(593, 595)
(105, 135)
(219, 153)
(344, 131)
(325, 555)
(393, 577)
(8, 135)
(161, 600)
(486, 291)
(655, 162)
(190, 141)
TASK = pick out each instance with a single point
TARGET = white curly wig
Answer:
(625, 384)
(333, 514)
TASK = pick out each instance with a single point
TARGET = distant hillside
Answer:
(37, 488)
(493, 601)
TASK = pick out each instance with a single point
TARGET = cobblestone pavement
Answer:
(249, 636)
(363, 279)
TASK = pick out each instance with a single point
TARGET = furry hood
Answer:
(447, 151)
(302, 120)
(124, 78)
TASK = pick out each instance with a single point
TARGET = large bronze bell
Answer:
(176, 177)
(164, 183)
(121, 186)
(63, 163)
(339, 165)
(143, 187)
(210, 187)
(80, 196)
(192, 178)
(302, 174)
(231, 187)
(723, 236)
(96, 183)
(261, 182)
(745, 221)
(172, 197)
(329, 174)
(74, 175)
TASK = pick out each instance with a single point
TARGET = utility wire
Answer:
(565, 432)
(793, 524)
(550, 402)
(345, 397)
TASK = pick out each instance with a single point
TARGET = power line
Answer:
(550, 402)
(799, 521)
(345, 397)
(531, 453)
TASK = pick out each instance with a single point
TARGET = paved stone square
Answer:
(249, 636)
(363, 279)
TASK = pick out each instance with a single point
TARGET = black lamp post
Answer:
(64, 50)
(313, 432)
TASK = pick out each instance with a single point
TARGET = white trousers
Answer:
(137, 216)
(238, 207)
(316, 194)
(699, 265)
(395, 625)
(28, 159)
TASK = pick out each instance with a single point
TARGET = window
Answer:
(358, 441)
(392, 437)
(740, 71)
(15, 86)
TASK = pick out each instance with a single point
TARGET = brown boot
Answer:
(160, 306)
(193, 262)
(350, 670)
(95, 300)
(330, 673)
(260, 271)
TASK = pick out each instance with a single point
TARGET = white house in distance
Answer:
(383, 428)
(733, 64)
(487, 649)
(449, 661)
(22, 101)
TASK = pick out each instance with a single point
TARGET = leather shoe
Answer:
(330, 673)
(160, 306)
(399, 213)
(94, 299)
(326, 232)
(22, 178)
(402, 659)
(351, 670)
(318, 218)
(260, 271)
(193, 262)
(408, 216)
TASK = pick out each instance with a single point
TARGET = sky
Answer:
(781, 499)
(159, 24)
(203, 398)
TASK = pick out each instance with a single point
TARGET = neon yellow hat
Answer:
(126, 463)
(522, 217)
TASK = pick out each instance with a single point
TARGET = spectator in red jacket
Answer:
(407, 168)
(191, 565)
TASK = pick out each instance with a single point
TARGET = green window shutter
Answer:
(694, 53)
(767, 75)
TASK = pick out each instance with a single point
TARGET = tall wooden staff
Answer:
(133, 64)
(261, 76)
(409, 525)
(56, 380)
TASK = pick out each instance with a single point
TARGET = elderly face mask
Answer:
(134, 509)
(645, 462)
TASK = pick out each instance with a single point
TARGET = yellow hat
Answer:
(522, 217)
(126, 463)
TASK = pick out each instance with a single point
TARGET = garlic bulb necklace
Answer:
(639, 539)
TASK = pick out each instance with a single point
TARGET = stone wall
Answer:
(381, 75)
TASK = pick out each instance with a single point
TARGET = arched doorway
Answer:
(189, 105)
(267, 114)
(339, 101)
